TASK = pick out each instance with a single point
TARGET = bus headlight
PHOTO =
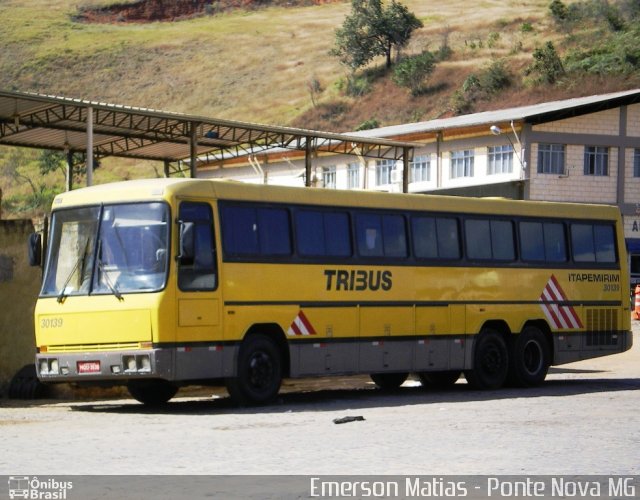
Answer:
(44, 367)
(140, 363)
(49, 366)
(144, 363)
(129, 363)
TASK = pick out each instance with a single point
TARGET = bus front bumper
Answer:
(110, 366)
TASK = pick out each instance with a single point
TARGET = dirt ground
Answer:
(583, 420)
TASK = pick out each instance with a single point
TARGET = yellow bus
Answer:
(163, 283)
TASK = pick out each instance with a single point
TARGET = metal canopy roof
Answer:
(61, 123)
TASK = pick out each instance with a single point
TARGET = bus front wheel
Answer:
(530, 359)
(389, 381)
(490, 361)
(152, 392)
(259, 372)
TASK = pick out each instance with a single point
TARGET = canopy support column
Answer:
(308, 150)
(405, 170)
(89, 159)
(193, 150)
(69, 172)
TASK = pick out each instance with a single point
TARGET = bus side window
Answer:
(593, 243)
(489, 239)
(323, 234)
(532, 241)
(542, 242)
(250, 231)
(448, 240)
(381, 235)
(554, 242)
(369, 235)
(435, 238)
(201, 273)
(605, 246)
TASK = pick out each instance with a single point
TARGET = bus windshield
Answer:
(113, 249)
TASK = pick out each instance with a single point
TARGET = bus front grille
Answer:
(94, 347)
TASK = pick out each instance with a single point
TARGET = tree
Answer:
(547, 64)
(373, 30)
(559, 11)
(411, 71)
(315, 88)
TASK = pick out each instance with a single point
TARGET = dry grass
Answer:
(243, 65)
(255, 65)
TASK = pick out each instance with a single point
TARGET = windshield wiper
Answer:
(79, 263)
(105, 274)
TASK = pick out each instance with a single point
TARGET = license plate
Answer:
(88, 366)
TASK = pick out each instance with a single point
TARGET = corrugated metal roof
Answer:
(54, 122)
(534, 113)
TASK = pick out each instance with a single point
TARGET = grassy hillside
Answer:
(247, 65)
(255, 65)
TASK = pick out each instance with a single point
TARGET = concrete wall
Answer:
(19, 286)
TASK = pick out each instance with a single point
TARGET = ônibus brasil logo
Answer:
(34, 488)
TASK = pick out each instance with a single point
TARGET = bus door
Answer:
(199, 329)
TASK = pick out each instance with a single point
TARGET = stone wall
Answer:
(19, 286)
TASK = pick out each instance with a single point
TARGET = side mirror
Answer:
(35, 249)
(187, 243)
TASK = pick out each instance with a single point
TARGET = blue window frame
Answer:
(381, 235)
(323, 233)
(256, 231)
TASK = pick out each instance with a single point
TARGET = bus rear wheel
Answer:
(152, 392)
(259, 372)
(490, 361)
(529, 358)
(439, 380)
(389, 381)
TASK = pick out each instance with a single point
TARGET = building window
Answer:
(551, 158)
(420, 169)
(329, 177)
(596, 160)
(500, 160)
(353, 176)
(636, 162)
(462, 163)
(383, 172)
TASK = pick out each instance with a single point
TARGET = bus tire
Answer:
(490, 361)
(151, 392)
(439, 380)
(529, 358)
(259, 372)
(389, 381)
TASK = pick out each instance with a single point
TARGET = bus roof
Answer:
(166, 189)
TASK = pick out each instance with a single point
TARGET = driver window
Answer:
(201, 273)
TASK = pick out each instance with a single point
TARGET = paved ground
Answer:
(584, 420)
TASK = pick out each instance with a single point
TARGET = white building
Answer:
(583, 150)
